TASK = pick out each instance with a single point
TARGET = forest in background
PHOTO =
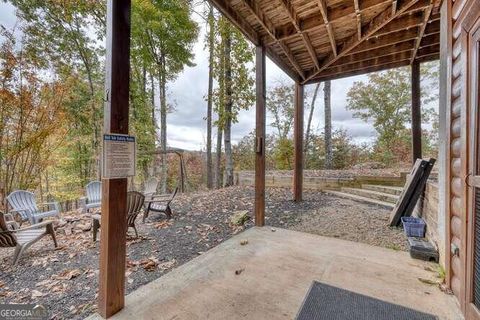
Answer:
(52, 97)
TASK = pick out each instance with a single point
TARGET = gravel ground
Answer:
(65, 280)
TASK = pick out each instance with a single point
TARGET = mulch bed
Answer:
(65, 280)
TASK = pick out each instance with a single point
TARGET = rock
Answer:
(239, 218)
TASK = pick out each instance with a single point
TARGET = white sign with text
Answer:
(119, 156)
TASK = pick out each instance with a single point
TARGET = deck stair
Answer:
(384, 196)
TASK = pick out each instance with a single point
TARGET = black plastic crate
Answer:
(422, 249)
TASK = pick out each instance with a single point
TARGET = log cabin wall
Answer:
(456, 13)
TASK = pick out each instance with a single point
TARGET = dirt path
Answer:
(65, 280)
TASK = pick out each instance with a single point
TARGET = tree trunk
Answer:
(328, 125)
(218, 160)
(211, 42)
(152, 81)
(228, 112)
(163, 126)
(309, 123)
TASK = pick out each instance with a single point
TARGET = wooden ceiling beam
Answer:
(225, 9)
(376, 24)
(324, 11)
(232, 15)
(432, 27)
(398, 56)
(404, 22)
(306, 40)
(434, 49)
(252, 6)
(394, 6)
(358, 14)
(356, 72)
(312, 23)
(427, 58)
(386, 40)
(376, 53)
(426, 18)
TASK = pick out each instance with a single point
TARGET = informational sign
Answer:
(119, 156)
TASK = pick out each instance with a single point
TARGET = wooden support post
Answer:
(260, 137)
(298, 140)
(416, 113)
(111, 295)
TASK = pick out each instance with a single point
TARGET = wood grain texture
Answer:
(298, 141)
(416, 113)
(111, 295)
(260, 136)
(307, 37)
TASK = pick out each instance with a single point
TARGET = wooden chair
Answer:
(160, 203)
(24, 206)
(12, 236)
(94, 195)
(135, 201)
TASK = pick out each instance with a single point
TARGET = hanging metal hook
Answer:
(466, 179)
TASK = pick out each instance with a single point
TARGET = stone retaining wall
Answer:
(317, 183)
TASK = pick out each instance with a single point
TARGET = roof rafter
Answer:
(352, 73)
(233, 16)
(426, 17)
(374, 53)
(252, 6)
(312, 23)
(394, 6)
(374, 61)
(323, 9)
(251, 34)
(376, 24)
(359, 18)
(306, 40)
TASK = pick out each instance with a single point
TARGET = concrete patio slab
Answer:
(277, 269)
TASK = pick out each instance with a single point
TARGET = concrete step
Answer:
(384, 189)
(383, 204)
(385, 197)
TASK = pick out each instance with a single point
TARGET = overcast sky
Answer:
(187, 127)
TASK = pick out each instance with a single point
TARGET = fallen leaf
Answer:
(149, 264)
(67, 274)
(167, 265)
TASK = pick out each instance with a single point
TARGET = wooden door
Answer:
(472, 294)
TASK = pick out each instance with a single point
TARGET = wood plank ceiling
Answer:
(317, 40)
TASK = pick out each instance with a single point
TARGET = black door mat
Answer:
(324, 302)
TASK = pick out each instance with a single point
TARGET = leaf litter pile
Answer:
(65, 279)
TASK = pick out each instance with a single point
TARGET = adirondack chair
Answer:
(94, 195)
(135, 202)
(151, 186)
(24, 205)
(12, 236)
(160, 203)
